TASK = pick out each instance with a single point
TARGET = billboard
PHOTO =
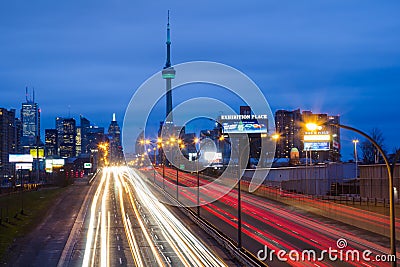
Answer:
(316, 146)
(49, 165)
(33, 152)
(58, 162)
(214, 157)
(23, 166)
(317, 137)
(244, 124)
(20, 158)
(231, 127)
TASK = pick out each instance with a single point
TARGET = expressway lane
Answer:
(126, 226)
(275, 225)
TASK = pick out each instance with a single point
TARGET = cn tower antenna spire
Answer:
(168, 74)
(168, 62)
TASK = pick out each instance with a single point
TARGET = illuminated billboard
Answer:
(213, 156)
(54, 163)
(58, 162)
(317, 137)
(20, 158)
(243, 127)
(316, 146)
(23, 166)
(244, 124)
(33, 152)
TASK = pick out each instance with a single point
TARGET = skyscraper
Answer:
(168, 74)
(288, 125)
(51, 142)
(85, 126)
(68, 138)
(8, 140)
(30, 119)
(114, 135)
(78, 141)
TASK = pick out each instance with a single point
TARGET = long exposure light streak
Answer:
(104, 223)
(144, 230)
(132, 196)
(195, 251)
(127, 226)
(89, 237)
(95, 240)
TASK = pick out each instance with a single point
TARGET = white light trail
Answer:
(189, 250)
(195, 251)
(95, 239)
(103, 236)
(144, 230)
(127, 224)
(89, 237)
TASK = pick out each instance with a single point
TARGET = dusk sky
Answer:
(89, 57)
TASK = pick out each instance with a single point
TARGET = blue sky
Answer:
(336, 57)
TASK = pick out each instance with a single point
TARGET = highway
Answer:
(274, 225)
(125, 225)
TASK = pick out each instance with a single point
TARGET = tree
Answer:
(370, 153)
(392, 157)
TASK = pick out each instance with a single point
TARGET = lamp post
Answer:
(355, 142)
(240, 152)
(197, 141)
(313, 127)
(181, 146)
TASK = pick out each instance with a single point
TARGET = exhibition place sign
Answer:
(243, 117)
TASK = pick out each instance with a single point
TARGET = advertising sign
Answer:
(58, 162)
(49, 165)
(244, 124)
(317, 137)
(20, 158)
(23, 166)
(244, 127)
(33, 152)
(214, 157)
(316, 146)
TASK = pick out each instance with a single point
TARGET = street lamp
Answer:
(155, 163)
(275, 137)
(240, 152)
(197, 140)
(313, 127)
(355, 142)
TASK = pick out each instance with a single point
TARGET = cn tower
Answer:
(168, 74)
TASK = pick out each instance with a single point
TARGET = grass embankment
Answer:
(35, 205)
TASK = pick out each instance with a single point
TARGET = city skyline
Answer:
(327, 57)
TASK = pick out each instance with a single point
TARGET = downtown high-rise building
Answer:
(114, 136)
(78, 141)
(288, 125)
(84, 127)
(10, 129)
(66, 130)
(51, 142)
(30, 120)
